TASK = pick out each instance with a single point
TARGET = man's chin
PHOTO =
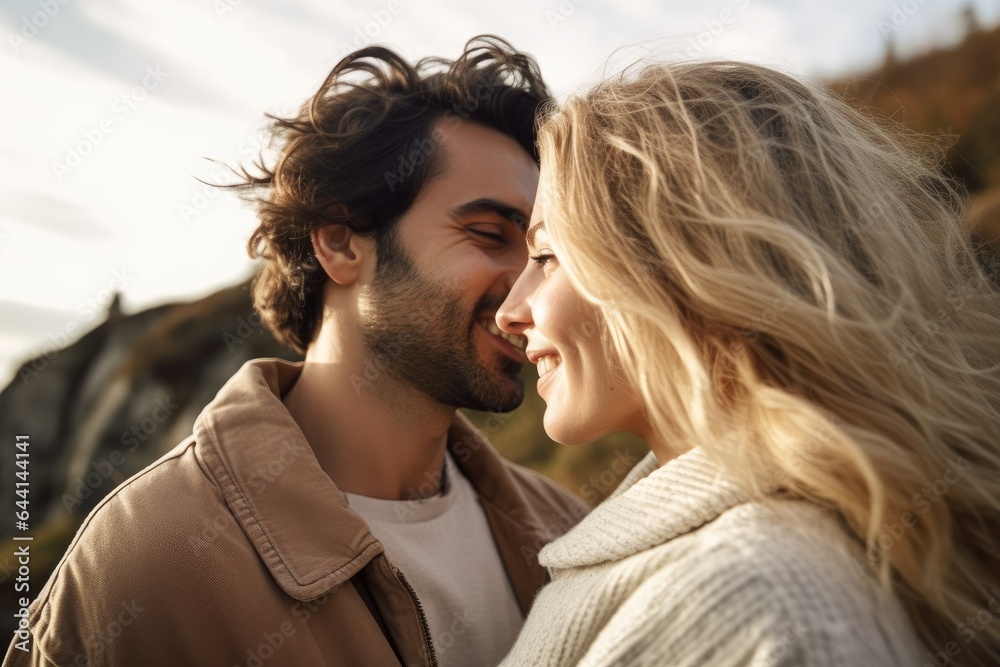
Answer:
(516, 392)
(513, 394)
(505, 394)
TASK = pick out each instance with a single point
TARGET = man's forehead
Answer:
(480, 171)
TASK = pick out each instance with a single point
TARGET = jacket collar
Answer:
(294, 515)
(652, 505)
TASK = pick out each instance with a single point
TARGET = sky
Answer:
(111, 107)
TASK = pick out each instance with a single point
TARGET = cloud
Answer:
(52, 213)
(113, 48)
(24, 321)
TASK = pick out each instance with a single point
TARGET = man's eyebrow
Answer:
(530, 236)
(494, 206)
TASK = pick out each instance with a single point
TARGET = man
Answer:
(339, 511)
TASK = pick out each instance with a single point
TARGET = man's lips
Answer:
(520, 342)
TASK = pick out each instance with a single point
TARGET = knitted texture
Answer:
(678, 567)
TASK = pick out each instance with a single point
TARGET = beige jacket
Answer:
(235, 548)
(679, 568)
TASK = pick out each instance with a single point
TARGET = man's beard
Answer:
(422, 334)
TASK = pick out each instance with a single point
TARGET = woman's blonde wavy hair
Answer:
(788, 283)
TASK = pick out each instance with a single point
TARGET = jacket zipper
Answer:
(420, 614)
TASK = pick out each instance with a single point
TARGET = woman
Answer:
(793, 318)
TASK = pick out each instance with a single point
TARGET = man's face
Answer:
(447, 267)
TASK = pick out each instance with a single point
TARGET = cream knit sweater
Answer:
(678, 568)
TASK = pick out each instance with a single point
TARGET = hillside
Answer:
(952, 94)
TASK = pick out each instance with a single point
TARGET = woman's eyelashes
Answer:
(542, 258)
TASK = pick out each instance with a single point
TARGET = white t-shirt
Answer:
(444, 548)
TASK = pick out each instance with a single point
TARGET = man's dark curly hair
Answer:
(358, 153)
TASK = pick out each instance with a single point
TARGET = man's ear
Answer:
(340, 252)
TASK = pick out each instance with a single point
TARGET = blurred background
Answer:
(124, 279)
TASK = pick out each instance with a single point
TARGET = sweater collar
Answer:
(292, 512)
(652, 505)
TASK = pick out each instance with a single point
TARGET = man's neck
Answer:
(379, 439)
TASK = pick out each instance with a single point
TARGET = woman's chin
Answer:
(566, 434)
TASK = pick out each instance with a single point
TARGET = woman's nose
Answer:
(514, 315)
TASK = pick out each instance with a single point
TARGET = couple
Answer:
(789, 313)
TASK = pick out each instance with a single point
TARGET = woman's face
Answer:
(585, 397)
